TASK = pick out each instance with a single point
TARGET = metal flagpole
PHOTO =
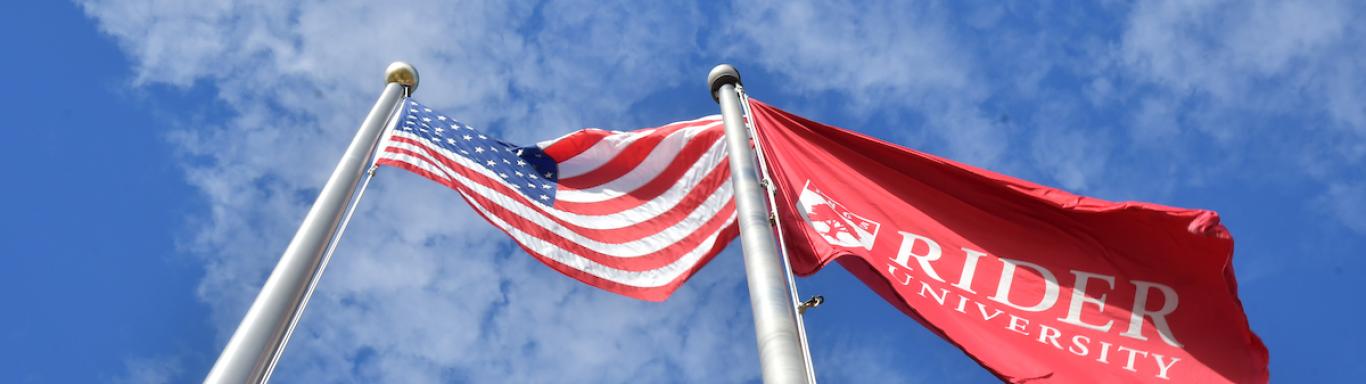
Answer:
(782, 355)
(254, 348)
(815, 301)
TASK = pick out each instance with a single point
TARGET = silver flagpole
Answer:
(782, 357)
(782, 245)
(254, 348)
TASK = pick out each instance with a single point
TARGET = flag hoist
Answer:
(254, 348)
(783, 355)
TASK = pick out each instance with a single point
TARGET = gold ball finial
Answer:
(402, 73)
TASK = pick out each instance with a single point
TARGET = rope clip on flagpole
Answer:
(812, 303)
(777, 328)
(256, 345)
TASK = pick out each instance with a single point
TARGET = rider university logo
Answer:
(836, 224)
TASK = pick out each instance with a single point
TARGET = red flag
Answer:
(1034, 283)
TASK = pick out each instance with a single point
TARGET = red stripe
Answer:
(414, 169)
(684, 159)
(651, 261)
(660, 183)
(714, 179)
(659, 293)
(626, 159)
(690, 202)
(646, 262)
(575, 143)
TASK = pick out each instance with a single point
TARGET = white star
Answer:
(442, 118)
(450, 141)
(464, 152)
(516, 187)
(519, 162)
(479, 149)
(505, 161)
(533, 177)
(549, 175)
(428, 110)
(547, 186)
(483, 137)
(530, 185)
(503, 175)
(427, 119)
(518, 173)
(467, 137)
(544, 197)
(490, 163)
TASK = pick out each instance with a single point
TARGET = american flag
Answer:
(636, 213)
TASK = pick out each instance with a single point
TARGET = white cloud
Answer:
(1260, 58)
(849, 361)
(1346, 201)
(1155, 123)
(149, 371)
(1069, 155)
(1257, 78)
(879, 56)
(1224, 48)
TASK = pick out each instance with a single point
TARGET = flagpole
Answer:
(770, 190)
(255, 346)
(782, 355)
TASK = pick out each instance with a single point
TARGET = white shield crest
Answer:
(835, 223)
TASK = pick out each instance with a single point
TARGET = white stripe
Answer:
(650, 168)
(629, 217)
(644, 279)
(647, 244)
(599, 153)
(545, 144)
(422, 163)
(607, 148)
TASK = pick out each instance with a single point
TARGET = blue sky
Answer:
(161, 154)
